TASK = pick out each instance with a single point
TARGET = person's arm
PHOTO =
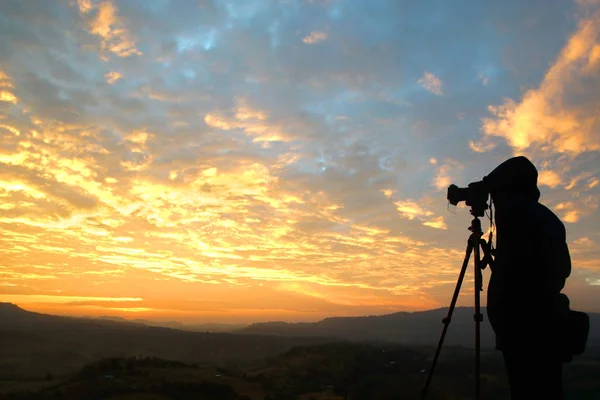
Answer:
(557, 261)
(522, 244)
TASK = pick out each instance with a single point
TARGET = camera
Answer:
(474, 195)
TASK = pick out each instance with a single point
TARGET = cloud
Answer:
(201, 157)
(584, 243)
(574, 211)
(561, 113)
(388, 193)
(44, 298)
(8, 97)
(484, 79)
(411, 209)
(549, 178)
(414, 210)
(85, 6)
(431, 83)
(253, 122)
(571, 216)
(442, 179)
(315, 37)
(437, 223)
(481, 146)
(447, 174)
(112, 76)
(104, 22)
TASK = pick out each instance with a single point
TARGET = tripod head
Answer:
(475, 225)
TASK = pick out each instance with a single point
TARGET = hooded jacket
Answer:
(532, 260)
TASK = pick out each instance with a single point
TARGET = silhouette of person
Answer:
(524, 303)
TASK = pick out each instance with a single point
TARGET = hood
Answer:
(515, 175)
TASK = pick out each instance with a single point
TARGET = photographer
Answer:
(524, 304)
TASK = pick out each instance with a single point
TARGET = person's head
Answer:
(516, 175)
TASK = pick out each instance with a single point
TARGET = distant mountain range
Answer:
(34, 342)
(418, 328)
(206, 327)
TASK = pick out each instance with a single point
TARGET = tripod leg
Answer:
(478, 316)
(446, 321)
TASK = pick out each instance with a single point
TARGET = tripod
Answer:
(473, 246)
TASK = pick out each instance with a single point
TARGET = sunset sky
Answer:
(239, 161)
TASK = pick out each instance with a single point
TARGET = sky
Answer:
(239, 161)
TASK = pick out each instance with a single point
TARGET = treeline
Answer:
(127, 366)
(124, 376)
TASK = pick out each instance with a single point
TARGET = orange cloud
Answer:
(388, 193)
(411, 209)
(107, 25)
(444, 176)
(545, 116)
(11, 129)
(570, 214)
(252, 121)
(44, 298)
(112, 76)
(8, 97)
(481, 146)
(437, 223)
(549, 178)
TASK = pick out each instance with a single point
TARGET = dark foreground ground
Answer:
(327, 371)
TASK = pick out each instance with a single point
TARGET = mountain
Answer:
(34, 344)
(211, 327)
(419, 328)
(203, 327)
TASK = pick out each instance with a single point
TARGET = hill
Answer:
(35, 344)
(205, 327)
(419, 328)
(40, 356)
(333, 371)
(330, 371)
(140, 378)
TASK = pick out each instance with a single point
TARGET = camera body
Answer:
(475, 195)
